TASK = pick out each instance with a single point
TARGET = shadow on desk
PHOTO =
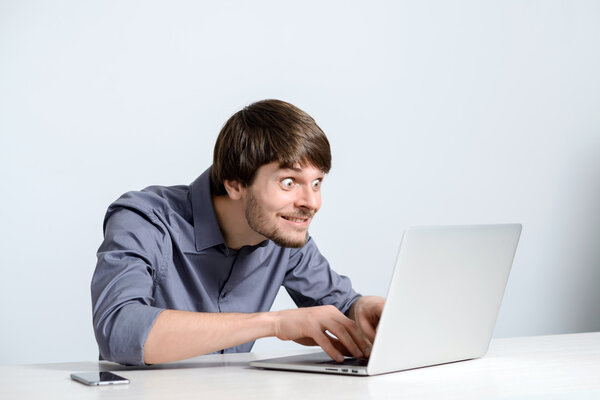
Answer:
(110, 366)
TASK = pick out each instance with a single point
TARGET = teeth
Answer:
(295, 219)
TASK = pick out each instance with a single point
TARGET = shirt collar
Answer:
(206, 228)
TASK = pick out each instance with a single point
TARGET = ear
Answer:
(234, 189)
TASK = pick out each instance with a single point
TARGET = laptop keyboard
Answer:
(359, 362)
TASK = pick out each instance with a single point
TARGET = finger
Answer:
(345, 330)
(358, 336)
(328, 347)
(339, 346)
(346, 333)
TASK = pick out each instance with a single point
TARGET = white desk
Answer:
(541, 367)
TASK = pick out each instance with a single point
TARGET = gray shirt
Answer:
(163, 249)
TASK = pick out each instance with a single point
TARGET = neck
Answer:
(232, 221)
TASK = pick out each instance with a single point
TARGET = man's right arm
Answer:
(177, 335)
(131, 330)
(129, 260)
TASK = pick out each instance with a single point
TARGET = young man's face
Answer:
(281, 202)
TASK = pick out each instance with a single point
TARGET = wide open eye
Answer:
(316, 184)
(287, 183)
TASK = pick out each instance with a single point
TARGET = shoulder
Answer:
(145, 219)
(309, 253)
(309, 246)
(155, 202)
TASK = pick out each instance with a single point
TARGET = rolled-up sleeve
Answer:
(311, 282)
(129, 260)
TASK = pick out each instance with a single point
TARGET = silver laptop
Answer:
(441, 305)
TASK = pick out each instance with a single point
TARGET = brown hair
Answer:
(263, 132)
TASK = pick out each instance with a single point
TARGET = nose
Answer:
(308, 198)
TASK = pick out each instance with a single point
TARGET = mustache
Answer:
(300, 214)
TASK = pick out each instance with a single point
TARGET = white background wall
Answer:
(437, 112)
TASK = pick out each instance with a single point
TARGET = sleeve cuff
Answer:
(129, 333)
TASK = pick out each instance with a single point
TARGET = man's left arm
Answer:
(311, 282)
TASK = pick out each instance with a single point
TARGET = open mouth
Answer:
(294, 219)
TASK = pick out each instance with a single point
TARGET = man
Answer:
(189, 270)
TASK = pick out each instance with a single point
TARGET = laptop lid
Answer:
(444, 295)
(442, 303)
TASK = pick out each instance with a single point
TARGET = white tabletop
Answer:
(541, 367)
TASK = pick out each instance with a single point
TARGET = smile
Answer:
(296, 220)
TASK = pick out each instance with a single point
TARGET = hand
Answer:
(366, 311)
(310, 326)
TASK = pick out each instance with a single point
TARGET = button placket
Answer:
(227, 287)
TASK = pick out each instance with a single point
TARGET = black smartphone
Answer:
(99, 378)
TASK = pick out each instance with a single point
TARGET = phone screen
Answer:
(99, 378)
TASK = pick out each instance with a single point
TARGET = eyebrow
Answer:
(295, 169)
(282, 171)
